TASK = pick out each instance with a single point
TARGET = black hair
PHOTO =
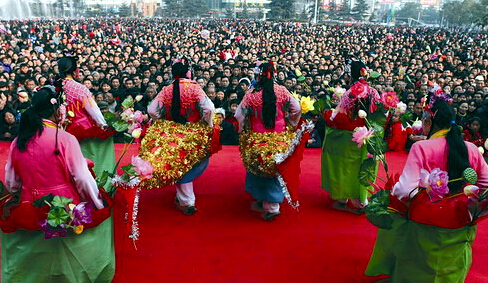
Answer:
(178, 70)
(269, 97)
(31, 119)
(457, 158)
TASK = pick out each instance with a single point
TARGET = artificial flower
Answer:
(390, 99)
(481, 150)
(138, 116)
(401, 108)
(136, 133)
(417, 127)
(471, 190)
(295, 95)
(361, 135)
(306, 104)
(339, 91)
(82, 213)
(53, 101)
(359, 90)
(139, 97)
(78, 229)
(486, 143)
(71, 114)
(438, 181)
(362, 114)
(127, 115)
(142, 167)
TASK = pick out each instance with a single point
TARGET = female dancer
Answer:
(262, 116)
(179, 142)
(415, 252)
(43, 160)
(86, 121)
(341, 158)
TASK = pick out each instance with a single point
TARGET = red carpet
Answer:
(226, 242)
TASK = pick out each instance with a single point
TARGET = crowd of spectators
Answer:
(130, 57)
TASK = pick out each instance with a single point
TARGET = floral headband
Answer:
(438, 95)
(268, 73)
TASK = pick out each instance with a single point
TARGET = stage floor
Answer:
(226, 242)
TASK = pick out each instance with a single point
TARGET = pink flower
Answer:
(359, 90)
(390, 99)
(438, 181)
(142, 167)
(138, 116)
(133, 127)
(127, 115)
(361, 135)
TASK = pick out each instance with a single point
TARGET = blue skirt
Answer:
(195, 172)
(264, 188)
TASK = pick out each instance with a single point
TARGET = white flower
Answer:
(362, 114)
(401, 108)
(53, 101)
(482, 151)
(136, 133)
(486, 144)
(139, 97)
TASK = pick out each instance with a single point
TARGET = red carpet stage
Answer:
(226, 242)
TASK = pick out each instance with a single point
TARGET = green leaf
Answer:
(377, 210)
(128, 102)
(406, 118)
(59, 201)
(120, 126)
(109, 116)
(374, 75)
(57, 216)
(378, 117)
(102, 179)
(42, 201)
(380, 220)
(129, 169)
(367, 172)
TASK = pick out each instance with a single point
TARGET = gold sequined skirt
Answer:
(258, 150)
(173, 149)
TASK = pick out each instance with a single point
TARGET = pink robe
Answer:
(37, 171)
(253, 102)
(431, 154)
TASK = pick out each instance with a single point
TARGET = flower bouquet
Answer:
(129, 122)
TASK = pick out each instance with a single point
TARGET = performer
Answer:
(86, 121)
(263, 115)
(415, 252)
(44, 160)
(180, 141)
(341, 157)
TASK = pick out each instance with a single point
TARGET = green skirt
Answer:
(341, 160)
(413, 252)
(101, 152)
(89, 257)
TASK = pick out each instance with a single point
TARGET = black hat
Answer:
(67, 65)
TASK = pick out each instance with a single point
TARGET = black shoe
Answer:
(187, 210)
(269, 216)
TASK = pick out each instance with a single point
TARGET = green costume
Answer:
(341, 160)
(89, 257)
(417, 253)
(101, 152)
